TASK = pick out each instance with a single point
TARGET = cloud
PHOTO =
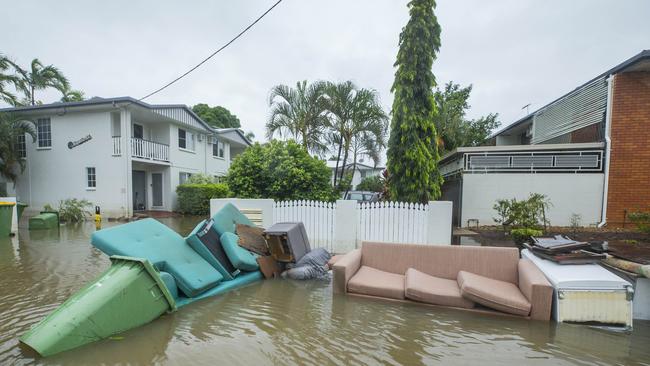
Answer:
(513, 52)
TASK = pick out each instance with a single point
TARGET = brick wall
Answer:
(629, 172)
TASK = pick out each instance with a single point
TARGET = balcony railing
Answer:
(143, 149)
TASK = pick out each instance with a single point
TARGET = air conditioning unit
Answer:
(200, 137)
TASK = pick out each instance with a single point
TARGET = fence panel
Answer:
(318, 218)
(397, 222)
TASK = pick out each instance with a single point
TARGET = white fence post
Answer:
(345, 221)
(439, 222)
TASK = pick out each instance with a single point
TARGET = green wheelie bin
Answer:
(129, 294)
(6, 214)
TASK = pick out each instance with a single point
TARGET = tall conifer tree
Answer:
(412, 149)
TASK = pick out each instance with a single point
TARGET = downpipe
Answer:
(608, 149)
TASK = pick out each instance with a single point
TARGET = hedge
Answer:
(194, 199)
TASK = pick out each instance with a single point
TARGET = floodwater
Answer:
(282, 322)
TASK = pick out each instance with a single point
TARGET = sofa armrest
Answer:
(534, 285)
(344, 269)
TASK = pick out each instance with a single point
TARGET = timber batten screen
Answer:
(581, 108)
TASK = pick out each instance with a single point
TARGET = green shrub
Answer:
(194, 199)
(641, 220)
(528, 213)
(519, 236)
(372, 184)
(200, 178)
(281, 170)
(72, 210)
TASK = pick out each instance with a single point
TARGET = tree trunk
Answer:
(338, 158)
(354, 169)
(32, 87)
(345, 158)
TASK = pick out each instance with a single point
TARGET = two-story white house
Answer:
(121, 154)
(361, 171)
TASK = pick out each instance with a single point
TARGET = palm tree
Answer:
(72, 95)
(339, 104)
(6, 65)
(12, 129)
(40, 77)
(358, 121)
(299, 113)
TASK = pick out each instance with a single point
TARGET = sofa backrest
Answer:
(442, 261)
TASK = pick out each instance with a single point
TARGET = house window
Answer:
(363, 174)
(186, 139)
(183, 177)
(44, 132)
(21, 147)
(182, 139)
(91, 178)
(217, 149)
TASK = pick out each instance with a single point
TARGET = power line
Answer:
(214, 53)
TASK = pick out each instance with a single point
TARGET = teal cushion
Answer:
(239, 257)
(227, 218)
(222, 264)
(164, 248)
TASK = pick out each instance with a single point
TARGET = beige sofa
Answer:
(482, 278)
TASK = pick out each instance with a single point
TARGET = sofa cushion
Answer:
(205, 240)
(495, 294)
(226, 219)
(164, 248)
(241, 258)
(443, 261)
(370, 281)
(434, 290)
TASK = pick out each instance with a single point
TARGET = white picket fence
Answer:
(396, 222)
(344, 225)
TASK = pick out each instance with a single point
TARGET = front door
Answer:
(157, 189)
(139, 190)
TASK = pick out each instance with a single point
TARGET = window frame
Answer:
(218, 149)
(21, 146)
(181, 180)
(91, 178)
(184, 138)
(44, 136)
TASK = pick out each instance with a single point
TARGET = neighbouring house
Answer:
(588, 151)
(121, 154)
(361, 171)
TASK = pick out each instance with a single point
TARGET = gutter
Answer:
(608, 150)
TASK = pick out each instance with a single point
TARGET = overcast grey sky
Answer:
(514, 52)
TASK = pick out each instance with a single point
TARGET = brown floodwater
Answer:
(282, 322)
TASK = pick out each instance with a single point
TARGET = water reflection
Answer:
(282, 322)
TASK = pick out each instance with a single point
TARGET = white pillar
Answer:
(125, 125)
(345, 232)
(439, 222)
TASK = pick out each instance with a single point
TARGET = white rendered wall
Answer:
(569, 193)
(57, 173)
(198, 161)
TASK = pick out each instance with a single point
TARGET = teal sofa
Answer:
(188, 266)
